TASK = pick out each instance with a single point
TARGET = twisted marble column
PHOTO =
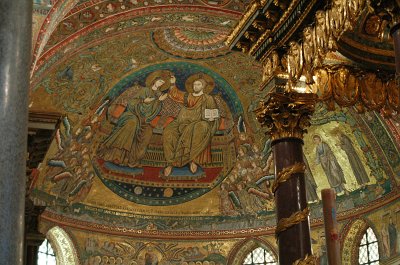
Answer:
(15, 56)
(286, 116)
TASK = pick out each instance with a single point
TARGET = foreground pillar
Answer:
(395, 32)
(15, 50)
(331, 226)
(286, 117)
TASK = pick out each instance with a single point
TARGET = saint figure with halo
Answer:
(128, 141)
(187, 139)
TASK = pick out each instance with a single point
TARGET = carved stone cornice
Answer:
(286, 115)
(251, 11)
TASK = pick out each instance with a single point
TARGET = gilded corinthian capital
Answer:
(286, 115)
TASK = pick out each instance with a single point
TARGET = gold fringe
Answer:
(295, 218)
(287, 173)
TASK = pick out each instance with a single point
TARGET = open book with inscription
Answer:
(211, 114)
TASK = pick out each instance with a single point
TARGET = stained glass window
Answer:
(260, 256)
(368, 251)
(46, 254)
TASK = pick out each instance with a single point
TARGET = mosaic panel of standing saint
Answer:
(167, 134)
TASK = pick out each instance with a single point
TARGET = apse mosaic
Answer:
(337, 154)
(123, 146)
(168, 135)
(235, 161)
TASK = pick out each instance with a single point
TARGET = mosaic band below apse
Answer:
(168, 136)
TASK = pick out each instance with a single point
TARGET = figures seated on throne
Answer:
(127, 143)
(187, 139)
(187, 121)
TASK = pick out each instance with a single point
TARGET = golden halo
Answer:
(209, 80)
(163, 74)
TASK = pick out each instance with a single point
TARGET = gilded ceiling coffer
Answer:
(286, 117)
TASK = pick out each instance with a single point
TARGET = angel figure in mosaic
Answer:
(70, 168)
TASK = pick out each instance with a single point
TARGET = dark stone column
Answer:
(287, 116)
(395, 32)
(15, 58)
(290, 197)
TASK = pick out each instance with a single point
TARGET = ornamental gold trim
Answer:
(307, 260)
(292, 220)
(63, 246)
(286, 115)
(315, 43)
(348, 86)
(287, 173)
(323, 36)
(243, 21)
(267, 33)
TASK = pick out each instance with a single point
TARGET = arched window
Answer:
(368, 252)
(260, 256)
(46, 254)
(61, 250)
